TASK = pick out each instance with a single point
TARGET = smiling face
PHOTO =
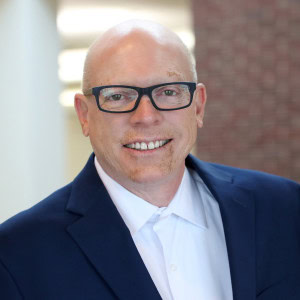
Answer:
(119, 140)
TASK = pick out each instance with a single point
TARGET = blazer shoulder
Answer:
(260, 180)
(264, 186)
(256, 179)
(48, 211)
(49, 215)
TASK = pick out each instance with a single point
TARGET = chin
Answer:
(147, 175)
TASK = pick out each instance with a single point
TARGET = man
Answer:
(145, 219)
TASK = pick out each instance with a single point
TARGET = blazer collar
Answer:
(105, 240)
(101, 232)
(237, 209)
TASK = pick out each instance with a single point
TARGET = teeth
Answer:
(130, 146)
(145, 146)
(151, 146)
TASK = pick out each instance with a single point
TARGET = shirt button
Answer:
(173, 267)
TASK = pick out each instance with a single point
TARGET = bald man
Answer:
(145, 219)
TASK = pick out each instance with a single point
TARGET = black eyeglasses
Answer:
(124, 98)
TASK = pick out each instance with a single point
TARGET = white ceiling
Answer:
(80, 21)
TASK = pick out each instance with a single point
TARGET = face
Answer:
(111, 135)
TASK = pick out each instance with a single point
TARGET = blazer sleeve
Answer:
(8, 287)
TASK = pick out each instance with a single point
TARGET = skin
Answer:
(141, 54)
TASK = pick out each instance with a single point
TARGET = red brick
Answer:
(248, 57)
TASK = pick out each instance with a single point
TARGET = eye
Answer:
(116, 97)
(169, 93)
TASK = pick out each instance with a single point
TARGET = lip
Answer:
(146, 140)
(147, 151)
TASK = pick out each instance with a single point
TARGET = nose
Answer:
(145, 114)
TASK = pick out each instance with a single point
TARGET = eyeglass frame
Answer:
(141, 92)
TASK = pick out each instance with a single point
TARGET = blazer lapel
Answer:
(105, 240)
(238, 215)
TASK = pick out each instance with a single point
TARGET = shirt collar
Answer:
(187, 202)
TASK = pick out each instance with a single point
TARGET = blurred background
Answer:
(247, 53)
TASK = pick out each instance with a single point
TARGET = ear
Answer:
(81, 107)
(200, 99)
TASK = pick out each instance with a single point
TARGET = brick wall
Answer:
(248, 56)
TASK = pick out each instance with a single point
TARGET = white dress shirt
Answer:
(183, 245)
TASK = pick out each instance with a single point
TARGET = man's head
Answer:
(140, 54)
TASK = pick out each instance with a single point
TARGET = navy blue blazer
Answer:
(74, 244)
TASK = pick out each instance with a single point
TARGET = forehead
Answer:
(139, 61)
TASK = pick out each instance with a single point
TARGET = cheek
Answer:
(190, 130)
(190, 127)
(191, 135)
(105, 126)
(101, 134)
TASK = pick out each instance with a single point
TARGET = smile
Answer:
(142, 146)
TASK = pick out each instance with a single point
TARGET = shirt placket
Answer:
(165, 229)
